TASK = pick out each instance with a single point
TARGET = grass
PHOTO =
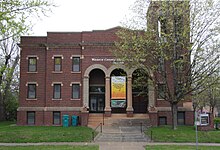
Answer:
(175, 147)
(63, 147)
(33, 134)
(183, 134)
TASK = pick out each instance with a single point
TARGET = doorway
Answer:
(97, 103)
(96, 91)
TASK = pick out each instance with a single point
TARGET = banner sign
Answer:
(118, 87)
(118, 103)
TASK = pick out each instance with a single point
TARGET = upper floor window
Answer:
(161, 63)
(57, 91)
(161, 89)
(76, 64)
(75, 91)
(57, 64)
(31, 91)
(32, 64)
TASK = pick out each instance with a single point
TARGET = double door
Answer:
(97, 103)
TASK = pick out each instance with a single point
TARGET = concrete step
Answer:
(122, 137)
(119, 120)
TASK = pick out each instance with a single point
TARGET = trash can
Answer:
(65, 120)
(74, 120)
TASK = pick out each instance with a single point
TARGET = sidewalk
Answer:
(110, 145)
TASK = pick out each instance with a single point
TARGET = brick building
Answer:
(75, 73)
(71, 73)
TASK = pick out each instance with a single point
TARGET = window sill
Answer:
(31, 124)
(160, 99)
(75, 99)
(76, 72)
(54, 99)
(57, 71)
(56, 125)
(32, 72)
(31, 99)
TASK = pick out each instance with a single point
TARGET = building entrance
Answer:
(96, 91)
(140, 91)
(139, 104)
(97, 103)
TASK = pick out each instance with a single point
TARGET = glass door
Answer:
(97, 103)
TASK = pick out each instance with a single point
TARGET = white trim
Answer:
(75, 99)
(57, 72)
(56, 83)
(57, 56)
(49, 109)
(80, 56)
(30, 99)
(31, 83)
(28, 56)
(75, 83)
(59, 99)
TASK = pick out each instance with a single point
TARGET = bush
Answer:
(11, 105)
(216, 122)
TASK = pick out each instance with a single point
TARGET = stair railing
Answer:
(141, 127)
(93, 132)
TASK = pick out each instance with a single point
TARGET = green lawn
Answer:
(183, 134)
(175, 147)
(10, 133)
(63, 147)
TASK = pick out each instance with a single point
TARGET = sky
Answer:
(83, 15)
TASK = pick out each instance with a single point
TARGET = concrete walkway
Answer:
(110, 145)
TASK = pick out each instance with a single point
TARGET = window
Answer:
(160, 64)
(162, 120)
(57, 64)
(181, 118)
(56, 117)
(30, 117)
(162, 29)
(31, 91)
(76, 64)
(32, 64)
(57, 91)
(161, 89)
(97, 89)
(75, 91)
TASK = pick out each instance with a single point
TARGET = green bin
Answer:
(74, 120)
(65, 120)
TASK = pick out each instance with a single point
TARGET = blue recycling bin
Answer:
(74, 120)
(65, 120)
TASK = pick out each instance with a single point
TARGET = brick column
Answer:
(107, 97)
(129, 97)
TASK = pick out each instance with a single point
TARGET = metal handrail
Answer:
(141, 127)
(93, 132)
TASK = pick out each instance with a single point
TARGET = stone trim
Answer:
(34, 56)
(49, 109)
(61, 56)
(169, 109)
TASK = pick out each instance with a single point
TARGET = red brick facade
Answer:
(93, 48)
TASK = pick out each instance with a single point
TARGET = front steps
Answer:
(120, 128)
(122, 137)
(118, 120)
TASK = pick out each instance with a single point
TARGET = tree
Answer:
(210, 96)
(178, 48)
(14, 21)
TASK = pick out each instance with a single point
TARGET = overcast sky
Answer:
(83, 15)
